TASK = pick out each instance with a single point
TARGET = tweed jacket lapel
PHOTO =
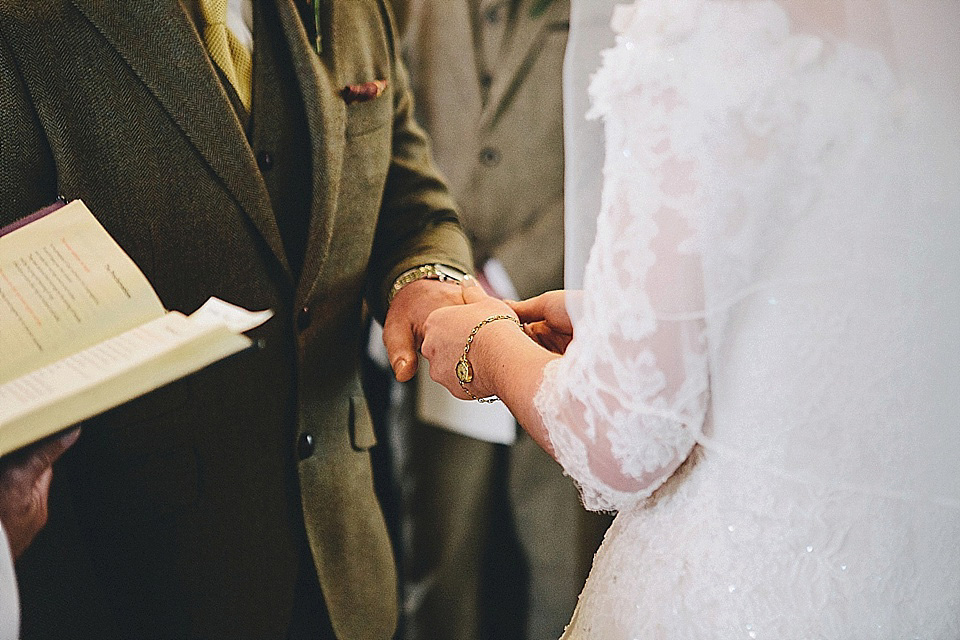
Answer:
(534, 20)
(326, 120)
(162, 47)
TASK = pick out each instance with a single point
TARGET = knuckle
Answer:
(426, 348)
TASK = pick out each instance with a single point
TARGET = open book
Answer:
(82, 330)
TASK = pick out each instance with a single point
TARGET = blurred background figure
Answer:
(497, 543)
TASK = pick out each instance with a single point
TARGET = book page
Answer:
(237, 319)
(104, 375)
(65, 284)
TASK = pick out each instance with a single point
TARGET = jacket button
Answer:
(305, 446)
(490, 157)
(265, 160)
(303, 318)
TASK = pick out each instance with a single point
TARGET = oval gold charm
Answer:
(464, 371)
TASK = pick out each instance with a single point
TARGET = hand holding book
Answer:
(25, 478)
(82, 330)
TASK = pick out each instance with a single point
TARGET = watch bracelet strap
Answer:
(412, 275)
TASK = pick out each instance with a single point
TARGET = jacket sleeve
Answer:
(418, 221)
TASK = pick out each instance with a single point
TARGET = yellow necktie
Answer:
(225, 49)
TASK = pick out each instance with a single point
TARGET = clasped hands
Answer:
(437, 317)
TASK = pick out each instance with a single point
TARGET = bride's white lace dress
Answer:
(763, 378)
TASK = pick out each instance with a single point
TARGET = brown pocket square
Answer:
(363, 92)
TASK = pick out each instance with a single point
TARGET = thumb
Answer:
(46, 453)
(471, 291)
(401, 352)
(530, 310)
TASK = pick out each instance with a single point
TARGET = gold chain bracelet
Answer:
(465, 369)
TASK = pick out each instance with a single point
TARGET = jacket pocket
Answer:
(371, 115)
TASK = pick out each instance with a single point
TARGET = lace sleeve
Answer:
(625, 404)
(623, 407)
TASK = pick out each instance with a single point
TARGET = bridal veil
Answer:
(764, 378)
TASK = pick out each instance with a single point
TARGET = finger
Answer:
(46, 452)
(548, 338)
(471, 291)
(401, 349)
(530, 310)
(530, 329)
(42, 488)
(540, 333)
(535, 329)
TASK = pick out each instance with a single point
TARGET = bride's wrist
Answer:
(501, 349)
(492, 346)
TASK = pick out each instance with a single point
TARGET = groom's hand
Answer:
(403, 327)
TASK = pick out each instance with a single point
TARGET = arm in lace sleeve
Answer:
(624, 405)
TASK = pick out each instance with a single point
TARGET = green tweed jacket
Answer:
(185, 513)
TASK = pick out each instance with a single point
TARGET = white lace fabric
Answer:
(774, 282)
(634, 382)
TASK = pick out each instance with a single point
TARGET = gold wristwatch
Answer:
(441, 272)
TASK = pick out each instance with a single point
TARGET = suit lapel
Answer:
(326, 120)
(159, 43)
(534, 20)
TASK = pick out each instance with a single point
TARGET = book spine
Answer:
(36, 215)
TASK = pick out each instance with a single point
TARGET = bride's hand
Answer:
(445, 334)
(546, 319)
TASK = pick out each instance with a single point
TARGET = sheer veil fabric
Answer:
(763, 381)
(590, 34)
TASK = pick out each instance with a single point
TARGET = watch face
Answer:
(449, 272)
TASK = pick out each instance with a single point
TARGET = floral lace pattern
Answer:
(759, 294)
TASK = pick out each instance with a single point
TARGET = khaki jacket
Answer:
(496, 125)
(185, 514)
